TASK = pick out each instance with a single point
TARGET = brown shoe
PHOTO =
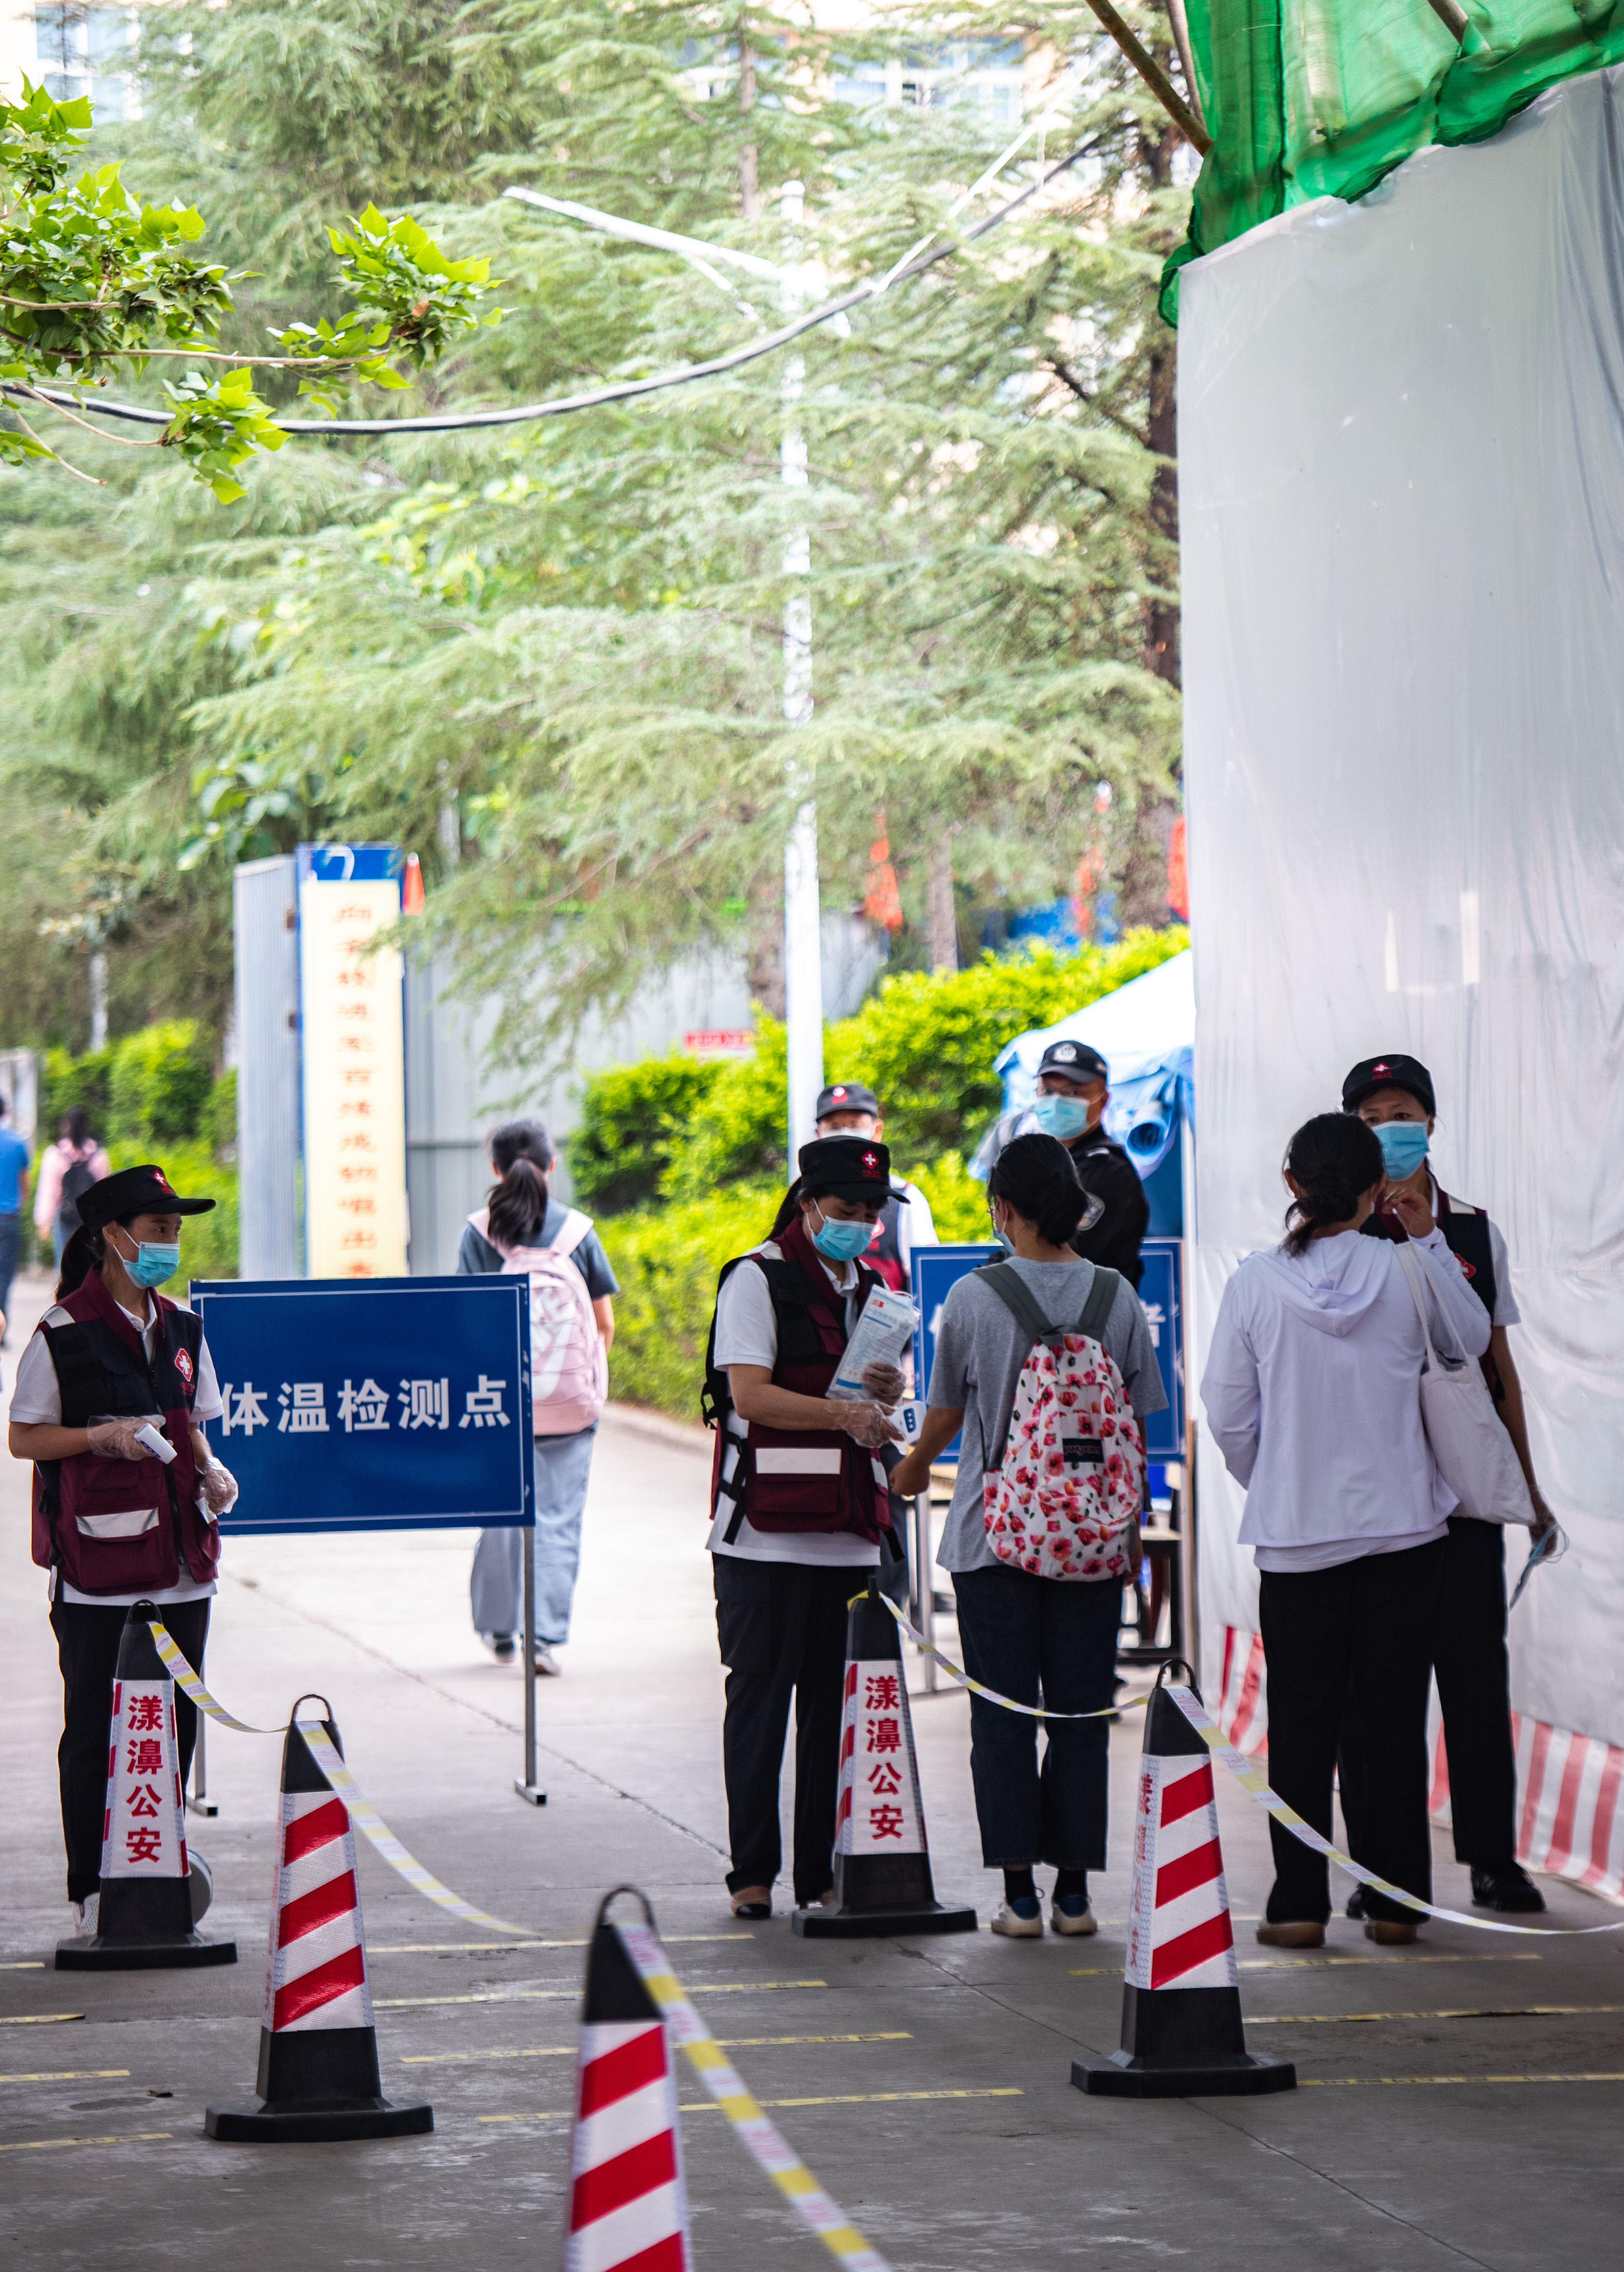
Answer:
(1295, 1935)
(752, 1903)
(1388, 1932)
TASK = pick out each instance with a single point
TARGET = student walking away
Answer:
(1045, 1361)
(68, 1167)
(1073, 1092)
(110, 1364)
(1394, 1095)
(799, 1504)
(523, 1228)
(14, 1163)
(1313, 1394)
(848, 1109)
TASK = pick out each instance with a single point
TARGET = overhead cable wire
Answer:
(619, 391)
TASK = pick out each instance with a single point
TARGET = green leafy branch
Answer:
(92, 282)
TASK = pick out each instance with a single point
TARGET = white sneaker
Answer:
(84, 1918)
(1014, 1926)
(1082, 1920)
(545, 1662)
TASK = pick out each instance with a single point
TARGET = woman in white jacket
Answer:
(1312, 1392)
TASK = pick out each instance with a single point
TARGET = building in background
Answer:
(75, 49)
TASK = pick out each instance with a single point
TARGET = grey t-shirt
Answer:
(980, 1352)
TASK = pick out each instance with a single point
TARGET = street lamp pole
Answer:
(803, 953)
(803, 975)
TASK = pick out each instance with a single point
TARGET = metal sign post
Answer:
(366, 1404)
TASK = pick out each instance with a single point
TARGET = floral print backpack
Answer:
(1067, 1499)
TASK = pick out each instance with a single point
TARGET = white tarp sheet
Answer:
(1402, 484)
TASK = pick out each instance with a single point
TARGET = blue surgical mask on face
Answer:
(842, 1242)
(153, 1265)
(1061, 1116)
(1403, 1146)
(1000, 1234)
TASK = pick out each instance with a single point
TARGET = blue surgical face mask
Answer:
(1061, 1116)
(1403, 1146)
(1000, 1234)
(153, 1265)
(842, 1242)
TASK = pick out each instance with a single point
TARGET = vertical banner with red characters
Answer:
(351, 1020)
(144, 1830)
(878, 1809)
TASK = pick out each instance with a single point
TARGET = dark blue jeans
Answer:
(1048, 1641)
(11, 1228)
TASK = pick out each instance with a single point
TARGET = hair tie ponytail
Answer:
(1334, 1159)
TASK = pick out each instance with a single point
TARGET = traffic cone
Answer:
(881, 1865)
(628, 2205)
(1181, 2031)
(318, 2055)
(145, 1916)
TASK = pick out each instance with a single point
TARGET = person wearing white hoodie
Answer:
(1312, 1391)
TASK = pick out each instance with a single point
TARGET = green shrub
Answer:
(66, 1081)
(737, 1135)
(219, 1116)
(159, 1084)
(632, 1118)
(667, 1260)
(957, 1202)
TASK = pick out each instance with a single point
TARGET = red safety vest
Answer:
(797, 1479)
(122, 1526)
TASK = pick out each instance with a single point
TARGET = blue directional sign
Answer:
(372, 1403)
(1161, 1292)
(933, 1270)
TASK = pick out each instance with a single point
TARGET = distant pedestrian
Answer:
(1394, 1095)
(848, 1109)
(68, 1167)
(1313, 1392)
(1074, 1088)
(1041, 1633)
(14, 1164)
(520, 1218)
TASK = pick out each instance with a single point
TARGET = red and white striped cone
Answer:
(318, 2055)
(145, 1916)
(881, 1863)
(628, 2207)
(1181, 2030)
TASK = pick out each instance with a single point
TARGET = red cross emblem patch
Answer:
(182, 1365)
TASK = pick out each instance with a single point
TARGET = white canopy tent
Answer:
(1401, 492)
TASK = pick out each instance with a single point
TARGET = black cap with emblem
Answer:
(1395, 1072)
(134, 1191)
(1073, 1061)
(845, 1096)
(853, 1168)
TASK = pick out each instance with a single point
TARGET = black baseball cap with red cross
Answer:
(852, 1168)
(845, 1096)
(134, 1191)
(1395, 1072)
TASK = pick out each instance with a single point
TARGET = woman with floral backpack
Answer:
(1045, 1362)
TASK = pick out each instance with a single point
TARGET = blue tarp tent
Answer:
(1145, 1031)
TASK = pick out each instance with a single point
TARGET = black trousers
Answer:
(1474, 1688)
(87, 1639)
(1353, 1642)
(782, 1628)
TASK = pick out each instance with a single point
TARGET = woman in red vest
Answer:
(113, 1522)
(799, 1506)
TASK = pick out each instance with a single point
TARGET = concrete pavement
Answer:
(1461, 2100)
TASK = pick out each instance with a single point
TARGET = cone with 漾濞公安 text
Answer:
(318, 2055)
(1182, 2029)
(145, 1916)
(628, 2207)
(881, 1865)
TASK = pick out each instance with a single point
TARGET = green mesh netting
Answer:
(1314, 98)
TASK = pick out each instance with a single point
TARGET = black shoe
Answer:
(1508, 1888)
(1356, 1903)
(501, 1648)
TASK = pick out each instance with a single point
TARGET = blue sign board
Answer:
(372, 1403)
(933, 1270)
(1161, 1293)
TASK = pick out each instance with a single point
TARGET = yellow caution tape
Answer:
(976, 1688)
(1247, 1776)
(791, 2175)
(185, 1679)
(367, 1818)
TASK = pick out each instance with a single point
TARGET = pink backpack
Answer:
(1066, 1501)
(568, 1363)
